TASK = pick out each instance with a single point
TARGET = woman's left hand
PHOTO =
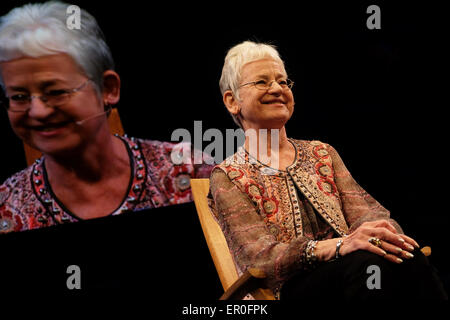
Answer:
(382, 238)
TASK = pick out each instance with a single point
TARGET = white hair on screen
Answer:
(36, 30)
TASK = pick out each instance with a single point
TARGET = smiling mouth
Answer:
(274, 102)
(50, 126)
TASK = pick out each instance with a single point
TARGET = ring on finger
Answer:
(375, 241)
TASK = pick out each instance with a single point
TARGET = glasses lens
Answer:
(17, 107)
(265, 85)
(262, 85)
(55, 98)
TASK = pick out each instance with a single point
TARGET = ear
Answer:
(231, 102)
(111, 87)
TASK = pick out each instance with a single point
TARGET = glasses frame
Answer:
(44, 98)
(289, 86)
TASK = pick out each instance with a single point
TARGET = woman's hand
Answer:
(394, 246)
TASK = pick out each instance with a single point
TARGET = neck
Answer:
(267, 145)
(100, 158)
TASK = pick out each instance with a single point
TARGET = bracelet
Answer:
(310, 255)
(338, 246)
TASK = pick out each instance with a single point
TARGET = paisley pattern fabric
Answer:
(28, 202)
(268, 216)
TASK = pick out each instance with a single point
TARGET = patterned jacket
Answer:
(269, 216)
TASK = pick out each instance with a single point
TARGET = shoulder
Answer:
(155, 146)
(158, 153)
(19, 181)
(233, 165)
(15, 194)
(315, 148)
(175, 161)
(174, 152)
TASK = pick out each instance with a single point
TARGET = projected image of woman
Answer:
(59, 86)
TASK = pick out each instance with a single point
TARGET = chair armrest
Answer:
(426, 251)
(249, 282)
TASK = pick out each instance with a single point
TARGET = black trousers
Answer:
(362, 275)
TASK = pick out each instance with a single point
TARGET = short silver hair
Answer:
(236, 58)
(36, 30)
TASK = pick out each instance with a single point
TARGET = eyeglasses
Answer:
(54, 98)
(266, 85)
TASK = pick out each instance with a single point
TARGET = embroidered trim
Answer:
(311, 172)
(55, 209)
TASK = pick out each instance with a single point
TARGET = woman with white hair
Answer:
(297, 213)
(60, 84)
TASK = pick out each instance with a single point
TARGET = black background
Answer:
(377, 96)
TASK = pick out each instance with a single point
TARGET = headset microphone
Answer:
(80, 122)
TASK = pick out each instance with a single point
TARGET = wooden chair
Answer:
(115, 125)
(235, 287)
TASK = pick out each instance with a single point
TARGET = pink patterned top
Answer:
(28, 202)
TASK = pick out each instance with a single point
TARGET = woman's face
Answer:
(270, 108)
(52, 130)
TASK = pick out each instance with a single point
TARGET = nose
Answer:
(275, 88)
(39, 109)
